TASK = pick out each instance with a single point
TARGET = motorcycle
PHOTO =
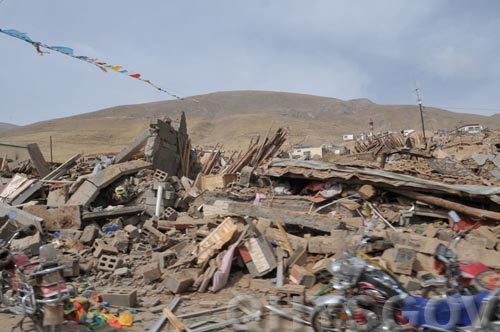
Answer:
(35, 290)
(364, 286)
(367, 289)
(459, 277)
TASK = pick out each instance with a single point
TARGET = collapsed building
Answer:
(158, 226)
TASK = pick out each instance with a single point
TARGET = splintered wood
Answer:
(215, 240)
(256, 153)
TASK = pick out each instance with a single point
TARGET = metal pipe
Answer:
(381, 216)
(159, 198)
(287, 315)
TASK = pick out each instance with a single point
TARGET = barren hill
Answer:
(7, 126)
(233, 118)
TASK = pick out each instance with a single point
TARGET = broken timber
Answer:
(449, 205)
(226, 207)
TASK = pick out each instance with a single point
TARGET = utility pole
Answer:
(51, 159)
(421, 115)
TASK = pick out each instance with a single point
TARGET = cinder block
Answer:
(322, 270)
(71, 264)
(101, 248)
(140, 249)
(289, 292)
(89, 234)
(403, 260)
(165, 259)
(108, 263)
(120, 241)
(300, 276)
(160, 175)
(133, 232)
(150, 230)
(150, 272)
(170, 214)
(121, 297)
(180, 281)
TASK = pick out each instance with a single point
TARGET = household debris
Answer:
(152, 237)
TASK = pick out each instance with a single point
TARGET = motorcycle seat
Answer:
(446, 313)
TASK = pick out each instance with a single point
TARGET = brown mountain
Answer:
(7, 126)
(233, 118)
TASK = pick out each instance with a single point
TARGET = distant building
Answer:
(407, 132)
(470, 129)
(307, 152)
(348, 137)
(335, 149)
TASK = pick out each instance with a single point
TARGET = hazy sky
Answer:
(342, 49)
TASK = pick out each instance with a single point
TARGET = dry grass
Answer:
(233, 118)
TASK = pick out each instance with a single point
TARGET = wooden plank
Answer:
(63, 168)
(228, 208)
(38, 160)
(176, 323)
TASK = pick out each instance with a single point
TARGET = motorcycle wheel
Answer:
(329, 318)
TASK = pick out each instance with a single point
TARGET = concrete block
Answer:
(87, 265)
(29, 245)
(323, 245)
(109, 263)
(100, 248)
(133, 232)
(121, 297)
(322, 270)
(298, 257)
(289, 292)
(120, 241)
(121, 272)
(180, 281)
(403, 259)
(70, 234)
(71, 264)
(89, 234)
(150, 272)
(170, 214)
(150, 230)
(165, 259)
(300, 276)
(160, 175)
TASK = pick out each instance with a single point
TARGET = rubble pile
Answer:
(142, 230)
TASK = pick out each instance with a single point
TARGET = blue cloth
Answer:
(445, 313)
(62, 49)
